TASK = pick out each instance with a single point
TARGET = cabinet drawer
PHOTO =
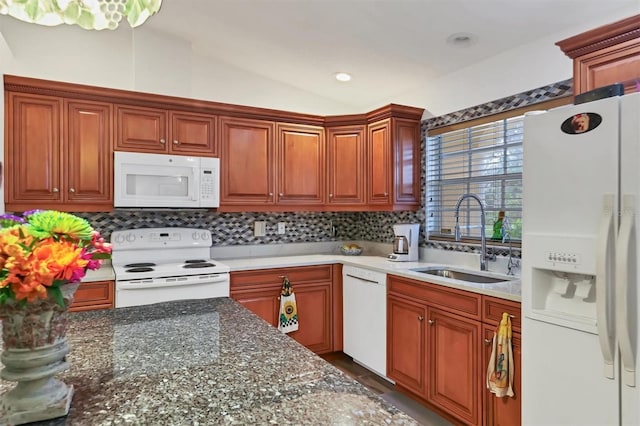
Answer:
(458, 301)
(493, 307)
(262, 277)
(93, 295)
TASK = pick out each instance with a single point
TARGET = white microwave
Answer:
(159, 180)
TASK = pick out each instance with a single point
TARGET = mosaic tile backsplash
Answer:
(237, 228)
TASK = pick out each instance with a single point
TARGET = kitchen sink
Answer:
(455, 274)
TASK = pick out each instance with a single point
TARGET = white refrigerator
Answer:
(581, 197)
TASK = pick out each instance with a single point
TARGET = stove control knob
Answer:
(131, 238)
(119, 238)
(205, 236)
(195, 236)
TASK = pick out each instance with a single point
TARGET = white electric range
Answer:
(155, 265)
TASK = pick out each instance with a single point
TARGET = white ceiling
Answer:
(390, 46)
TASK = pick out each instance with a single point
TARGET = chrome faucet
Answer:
(506, 238)
(483, 241)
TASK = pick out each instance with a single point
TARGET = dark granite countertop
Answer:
(204, 362)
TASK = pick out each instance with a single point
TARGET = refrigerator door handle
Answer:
(604, 269)
(626, 246)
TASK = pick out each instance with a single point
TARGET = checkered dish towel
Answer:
(288, 318)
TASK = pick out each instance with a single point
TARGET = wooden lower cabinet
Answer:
(93, 295)
(406, 343)
(505, 411)
(453, 363)
(259, 291)
(438, 349)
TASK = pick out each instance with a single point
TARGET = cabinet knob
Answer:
(176, 142)
(72, 190)
(55, 190)
(280, 194)
(431, 322)
(330, 195)
(271, 194)
(386, 193)
(420, 317)
(487, 342)
(162, 141)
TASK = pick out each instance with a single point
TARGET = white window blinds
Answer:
(485, 160)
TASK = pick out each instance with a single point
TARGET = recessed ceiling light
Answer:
(343, 76)
(462, 39)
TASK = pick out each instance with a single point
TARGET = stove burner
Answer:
(139, 269)
(195, 261)
(139, 265)
(198, 265)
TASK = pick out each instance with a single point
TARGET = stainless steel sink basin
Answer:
(460, 275)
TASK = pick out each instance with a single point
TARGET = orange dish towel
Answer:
(288, 318)
(500, 369)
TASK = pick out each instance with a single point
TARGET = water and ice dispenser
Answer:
(563, 277)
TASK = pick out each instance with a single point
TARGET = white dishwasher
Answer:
(364, 311)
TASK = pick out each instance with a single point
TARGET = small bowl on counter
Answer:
(351, 250)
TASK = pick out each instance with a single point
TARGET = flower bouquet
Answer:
(43, 257)
(43, 250)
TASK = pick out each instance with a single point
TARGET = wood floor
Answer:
(385, 389)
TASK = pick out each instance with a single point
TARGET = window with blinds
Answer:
(485, 160)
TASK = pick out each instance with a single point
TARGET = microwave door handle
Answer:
(195, 178)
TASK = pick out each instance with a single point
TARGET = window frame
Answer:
(467, 125)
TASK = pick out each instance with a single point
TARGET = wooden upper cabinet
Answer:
(32, 150)
(141, 129)
(60, 153)
(193, 134)
(379, 161)
(300, 164)
(87, 158)
(406, 152)
(346, 166)
(605, 55)
(161, 131)
(247, 162)
(393, 161)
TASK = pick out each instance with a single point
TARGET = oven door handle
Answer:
(171, 281)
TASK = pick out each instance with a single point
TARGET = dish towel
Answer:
(500, 369)
(288, 318)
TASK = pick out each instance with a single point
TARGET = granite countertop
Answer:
(507, 290)
(204, 362)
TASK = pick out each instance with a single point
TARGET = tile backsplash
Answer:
(237, 228)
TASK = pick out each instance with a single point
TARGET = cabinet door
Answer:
(264, 304)
(454, 365)
(406, 147)
(93, 295)
(193, 134)
(505, 411)
(33, 150)
(314, 316)
(379, 162)
(247, 162)
(346, 165)
(406, 360)
(87, 153)
(141, 129)
(301, 164)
